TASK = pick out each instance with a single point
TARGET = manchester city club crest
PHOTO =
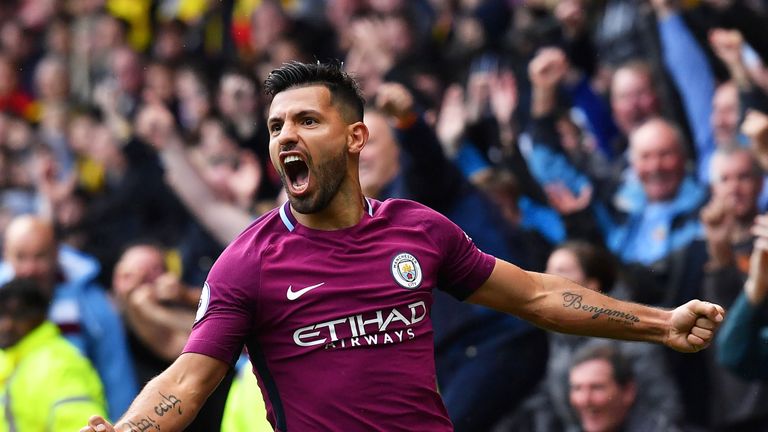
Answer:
(406, 270)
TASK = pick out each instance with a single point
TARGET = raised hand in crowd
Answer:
(504, 96)
(452, 119)
(572, 17)
(169, 289)
(719, 223)
(728, 45)
(546, 71)
(396, 101)
(245, 180)
(155, 125)
(52, 187)
(478, 91)
(756, 287)
(504, 100)
(755, 126)
(369, 55)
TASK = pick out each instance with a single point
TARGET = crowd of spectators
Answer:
(620, 143)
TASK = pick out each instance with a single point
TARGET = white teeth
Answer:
(290, 159)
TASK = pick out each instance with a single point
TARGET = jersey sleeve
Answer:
(225, 313)
(463, 267)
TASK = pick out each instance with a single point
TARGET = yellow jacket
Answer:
(47, 385)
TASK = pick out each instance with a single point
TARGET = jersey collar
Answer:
(290, 221)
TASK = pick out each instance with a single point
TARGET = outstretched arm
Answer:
(557, 304)
(171, 400)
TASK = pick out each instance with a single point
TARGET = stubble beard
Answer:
(329, 177)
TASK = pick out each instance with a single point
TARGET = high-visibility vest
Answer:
(47, 385)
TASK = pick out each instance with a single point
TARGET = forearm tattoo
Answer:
(168, 403)
(143, 424)
(574, 301)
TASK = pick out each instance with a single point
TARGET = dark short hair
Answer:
(623, 373)
(345, 93)
(596, 262)
(27, 295)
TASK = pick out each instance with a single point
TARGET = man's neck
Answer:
(344, 211)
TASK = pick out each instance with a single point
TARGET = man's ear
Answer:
(357, 137)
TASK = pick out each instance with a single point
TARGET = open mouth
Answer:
(297, 173)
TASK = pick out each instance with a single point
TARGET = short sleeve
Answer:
(464, 267)
(225, 312)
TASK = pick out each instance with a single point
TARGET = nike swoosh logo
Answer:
(293, 295)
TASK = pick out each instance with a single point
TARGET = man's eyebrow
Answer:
(302, 113)
(306, 112)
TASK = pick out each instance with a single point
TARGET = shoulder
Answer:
(407, 212)
(412, 215)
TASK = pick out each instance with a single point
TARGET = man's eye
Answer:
(274, 129)
(309, 121)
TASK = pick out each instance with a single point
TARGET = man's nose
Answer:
(288, 136)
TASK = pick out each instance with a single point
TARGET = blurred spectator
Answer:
(713, 268)
(726, 115)
(194, 99)
(661, 205)
(755, 126)
(603, 393)
(728, 217)
(13, 98)
(170, 42)
(95, 35)
(735, 97)
(558, 158)
(159, 78)
(125, 80)
(742, 345)
(47, 384)
(634, 98)
(159, 311)
(241, 109)
(217, 182)
(52, 81)
(736, 178)
(79, 306)
(17, 153)
(129, 199)
(58, 36)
